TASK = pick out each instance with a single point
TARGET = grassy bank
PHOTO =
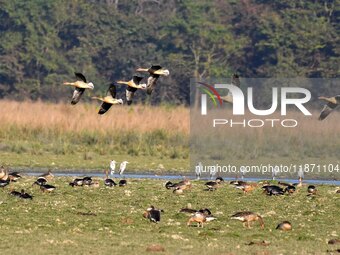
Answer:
(109, 220)
(65, 136)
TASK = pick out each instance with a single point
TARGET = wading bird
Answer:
(112, 166)
(243, 172)
(132, 86)
(198, 170)
(155, 72)
(212, 172)
(122, 167)
(109, 100)
(332, 103)
(275, 172)
(80, 86)
(247, 217)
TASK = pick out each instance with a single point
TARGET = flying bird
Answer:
(80, 85)
(235, 80)
(132, 86)
(155, 72)
(332, 103)
(122, 167)
(109, 99)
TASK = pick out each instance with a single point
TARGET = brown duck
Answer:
(247, 217)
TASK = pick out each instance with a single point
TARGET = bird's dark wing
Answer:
(137, 79)
(155, 215)
(328, 108)
(77, 95)
(154, 68)
(80, 76)
(112, 91)
(150, 85)
(188, 210)
(104, 108)
(129, 92)
(235, 80)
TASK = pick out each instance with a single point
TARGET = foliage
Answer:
(44, 41)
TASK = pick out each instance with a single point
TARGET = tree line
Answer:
(43, 42)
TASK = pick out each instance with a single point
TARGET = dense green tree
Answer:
(43, 42)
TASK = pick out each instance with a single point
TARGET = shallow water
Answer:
(176, 177)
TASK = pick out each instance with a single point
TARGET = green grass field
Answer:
(109, 220)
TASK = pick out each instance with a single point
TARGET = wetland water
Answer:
(169, 176)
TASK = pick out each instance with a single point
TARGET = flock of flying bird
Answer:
(155, 72)
(81, 84)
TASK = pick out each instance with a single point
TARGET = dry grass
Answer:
(84, 117)
(34, 134)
